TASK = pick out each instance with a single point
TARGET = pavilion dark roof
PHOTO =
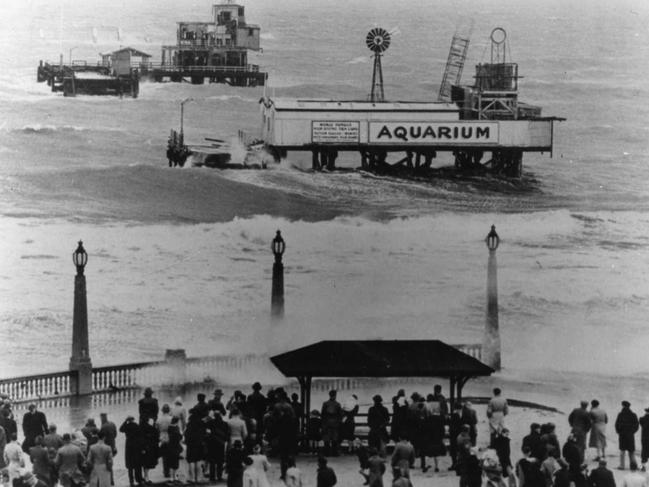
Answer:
(379, 358)
(133, 51)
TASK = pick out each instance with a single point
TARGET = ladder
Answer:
(454, 66)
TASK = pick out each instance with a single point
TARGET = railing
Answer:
(197, 69)
(176, 369)
(37, 386)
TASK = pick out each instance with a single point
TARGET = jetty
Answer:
(215, 51)
(484, 125)
(117, 74)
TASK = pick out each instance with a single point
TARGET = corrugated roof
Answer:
(379, 358)
(335, 105)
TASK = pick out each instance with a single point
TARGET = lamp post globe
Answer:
(80, 258)
(278, 246)
(492, 240)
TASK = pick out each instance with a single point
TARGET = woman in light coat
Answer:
(598, 429)
(100, 458)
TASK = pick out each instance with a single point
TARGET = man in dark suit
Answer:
(34, 424)
(601, 476)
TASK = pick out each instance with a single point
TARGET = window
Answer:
(251, 32)
(240, 11)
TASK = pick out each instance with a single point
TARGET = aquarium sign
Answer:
(438, 133)
(332, 131)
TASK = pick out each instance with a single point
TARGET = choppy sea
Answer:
(181, 257)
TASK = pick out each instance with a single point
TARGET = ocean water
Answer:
(181, 257)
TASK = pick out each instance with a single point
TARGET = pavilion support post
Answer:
(452, 391)
(305, 398)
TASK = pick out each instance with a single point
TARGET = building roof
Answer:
(379, 358)
(134, 52)
(361, 106)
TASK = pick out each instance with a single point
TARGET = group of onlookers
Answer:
(220, 440)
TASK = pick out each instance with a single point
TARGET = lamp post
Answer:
(491, 341)
(81, 382)
(278, 247)
(72, 49)
(182, 116)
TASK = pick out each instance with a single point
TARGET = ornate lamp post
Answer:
(278, 247)
(81, 382)
(491, 341)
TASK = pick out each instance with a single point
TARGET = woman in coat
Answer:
(100, 458)
(132, 449)
(150, 450)
(195, 442)
(597, 438)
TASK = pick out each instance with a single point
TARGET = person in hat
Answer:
(34, 424)
(580, 422)
(601, 476)
(332, 415)
(148, 406)
(179, 412)
(378, 418)
(200, 409)
(626, 426)
(403, 457)
(132, 449)
(597, 438)
(69, 461)
(100, 458)
(256, 405)
(534, 442)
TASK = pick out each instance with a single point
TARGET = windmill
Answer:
(378, 40)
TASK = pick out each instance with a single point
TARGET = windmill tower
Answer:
(378, 40)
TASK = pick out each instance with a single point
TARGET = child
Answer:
(314, 431)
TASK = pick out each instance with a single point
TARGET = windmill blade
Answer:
(395, 31)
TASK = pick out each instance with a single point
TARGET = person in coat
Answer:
(195, 441)
(598, 420)
(234, 464)
(580, 422)
(420, 430)
(332, 415)
(326, 477)
(399, 415)
(109, 430)
(14, 458)
(470, 417)
(403, 457)
(644, 438)
(41, 464)
(497, 409)
(503, 451)
(132, 450)
(378, 419)
(601, 476)
(626, 426)
(34, 424)
(218, 435)
(171, 454)
(69, 462)
(150, 448)
(376, 469)
(348, 426)
(148, 406)
(100, 458)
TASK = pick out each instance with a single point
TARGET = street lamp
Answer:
(80, 258)
(492, 240)
(278, 246)
(182, 113)
(491, 340)
(72, 49)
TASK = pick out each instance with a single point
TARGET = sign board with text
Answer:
(437, 133)
(335, 132)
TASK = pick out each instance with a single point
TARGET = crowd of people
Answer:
(217, 440)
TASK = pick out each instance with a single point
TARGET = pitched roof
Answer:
(134, 52)
(379, 358)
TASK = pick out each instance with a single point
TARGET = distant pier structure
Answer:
(216, 51)
(484, 126)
